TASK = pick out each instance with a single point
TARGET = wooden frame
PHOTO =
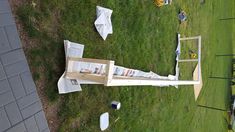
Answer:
(102, 79)
(108, 79)
(198, 38)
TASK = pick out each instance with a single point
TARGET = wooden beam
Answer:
(100, 61)
(66, 67)
(199, 57)
(190, 38)
(109, 73)
(84, 76)
(133, 82)
(69, 66)
(188, 60)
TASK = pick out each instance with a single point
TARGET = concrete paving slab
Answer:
(4, 86)
(18, 128)
(4, 122)
(4, 6)
(6, 98)
(31, 110)
(13, 57)
(28, 83)
(31, 125)
(13, 113)
(16, 68)
(6, 19)
(27, 100)
(41, 121)
(13, 36)
(4, 44)
(17, 87)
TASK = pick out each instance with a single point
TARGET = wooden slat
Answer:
(134, 78)
(89, 60)
(109, 73)
(69, 66)
(188, 60)
(133, 82)
(66, 67)
(84, 76)
(190, 38)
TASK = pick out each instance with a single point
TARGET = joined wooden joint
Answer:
(109, 73)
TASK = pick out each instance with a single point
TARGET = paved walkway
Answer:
(20, 106)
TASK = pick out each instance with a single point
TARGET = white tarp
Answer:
(103, 22)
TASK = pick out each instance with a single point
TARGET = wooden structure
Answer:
(110, 79)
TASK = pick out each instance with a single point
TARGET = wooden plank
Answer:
(69, 66)
(66, 67)
(109, 73)
(132, 82)
(188, 60)
(126, 77)
(190, 38)
(89, 60)
(197, 87)
(135, 78)
(83, 76)
(199, 57)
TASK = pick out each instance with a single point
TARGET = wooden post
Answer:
(188, 60)
(109, 73)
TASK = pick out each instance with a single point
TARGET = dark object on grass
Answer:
(116, 105)
(182, 16)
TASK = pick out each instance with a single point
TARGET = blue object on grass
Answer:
(182, 16)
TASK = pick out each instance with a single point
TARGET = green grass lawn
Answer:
(144, 38)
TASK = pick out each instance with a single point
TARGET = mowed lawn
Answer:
(144, 38)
